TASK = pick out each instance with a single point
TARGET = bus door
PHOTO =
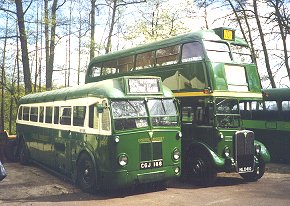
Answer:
(62, 141)
(197, 120)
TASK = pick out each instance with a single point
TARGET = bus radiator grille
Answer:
(244, 150)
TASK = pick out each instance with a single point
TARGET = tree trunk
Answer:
(109, 42)
(261, 34)
(48, 79)
(23, 42)
(49, 69)
(283, 34)
(93, 14)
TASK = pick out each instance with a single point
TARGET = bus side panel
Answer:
(274, 136)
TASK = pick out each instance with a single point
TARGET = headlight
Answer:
(227, 151)
(258, 148)
(176, 154)
(123, 160)
(178, 135)
(177, 170)
(117, 139)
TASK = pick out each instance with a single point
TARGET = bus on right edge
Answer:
(270, 120)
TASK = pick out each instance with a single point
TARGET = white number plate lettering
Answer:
(151, 164)
(245, 169)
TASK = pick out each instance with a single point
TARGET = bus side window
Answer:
(145, 60)
(167, 56)
(286, 110)
(41, 114)
(26, 113)
(56, 115)
(65, 118)
(34, 114)
(48, 115)
(192, 51)
(93, 117)
(96, 70)
(20, 113)
(79, 113)
(271, 112)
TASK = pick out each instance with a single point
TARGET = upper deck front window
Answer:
(217, 51)
(241, 54)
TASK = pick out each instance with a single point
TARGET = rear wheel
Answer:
(200, 169)
(24, 154)
(256, 174)
(86, 174)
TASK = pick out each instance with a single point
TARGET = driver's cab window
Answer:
(197, 115)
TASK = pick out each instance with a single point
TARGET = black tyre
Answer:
(24, 155)
(256, 174)
(86, 174)
(200, 169)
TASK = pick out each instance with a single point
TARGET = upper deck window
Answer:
(145, 60)
(96, 70)
(241, 54)
(109, 67)
(126, 64)
(167, 56)
(236, 78)
(217, 51)
(192, 51)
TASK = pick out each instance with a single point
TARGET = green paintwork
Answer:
(271, 127)
(59, 149)
(189, 81)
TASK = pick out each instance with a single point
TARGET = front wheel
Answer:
(256, 174)
(86, 175)
(200, 169)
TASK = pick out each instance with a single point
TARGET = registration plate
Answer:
(245, 169)
(151, 164)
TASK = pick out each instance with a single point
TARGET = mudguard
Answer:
(217, 161)
(264, 153)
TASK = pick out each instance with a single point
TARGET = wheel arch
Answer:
(202, 147)
(87, 152)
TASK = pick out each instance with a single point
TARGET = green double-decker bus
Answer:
(104, 135)
(209, 72)
(270, 119)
